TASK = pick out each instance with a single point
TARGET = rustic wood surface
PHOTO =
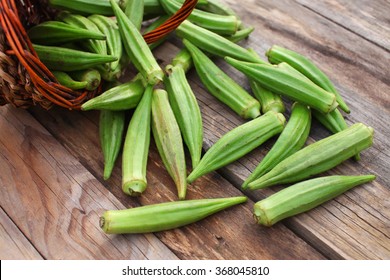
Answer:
(52, 191)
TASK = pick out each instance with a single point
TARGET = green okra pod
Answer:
(318, 157)
(91, 76)
(134, 10)
(304, 196)
(136, 48)
(166, 133)
(213, 43)
(220, 24)
(101, 7)
(277, 54)
(222, 86)
(280, 80)
(186, 109)
(122, 97)
(111, 126)
(64, 79)
(164, 216)
(241, 34)
(269, 101)
(63, 59)
(57, 33)
(291, 140)
(238, 142)
(136, 147)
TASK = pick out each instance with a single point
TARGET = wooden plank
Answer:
(368, 19)
(58, 201)
(13, 244)
(231, 234)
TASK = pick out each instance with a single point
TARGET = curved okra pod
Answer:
(164, 216)
(213, 43)
(91, 76)
(277, 54)
(269, 101)
(136, 147)
(304, 196)
(64, 79)
(318, 157)
(186, 110)
(166, 133)
(280, 80)
(222, 86)
(238, 142)
(136, 48)
(111, 126)
(291, 140)
(122, 97)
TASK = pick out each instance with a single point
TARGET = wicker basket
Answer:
(24, 80)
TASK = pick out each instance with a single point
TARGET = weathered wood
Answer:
(55, 201)
(13, 244)
(231, 234)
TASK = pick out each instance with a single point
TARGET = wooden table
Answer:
(52, 191)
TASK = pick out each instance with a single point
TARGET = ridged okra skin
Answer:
(280, 80)
(134, 10)
(291, 140)
(277, 54)
(187, 112)
(166, 133)
(136, 48)
(111, 127)
(136, 147)
(163, 216)
(220, 85)
(101, 7)
(238, 142)
(318, 157)
(304, 196)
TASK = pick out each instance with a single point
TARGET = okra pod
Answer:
(63, 59)
(136, 147)
(304, 196)
(318, 157)
(291, 140)
(67, 81)
(122, 97)
(280, 80)
(269, 101)
(164, 216)
(134, 10)
(186, 109)
(57, 33)
(213, 43)
(111, 126)
(91, 76)
(238, 142)
(222, 86)
(220, 24)
(101, 7)
(240, 34)
(277, 54)
(136, 48)
(166, 133)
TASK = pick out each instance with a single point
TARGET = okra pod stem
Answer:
(291, 140)
(166, 133)
(91, 76)
(136, 147)
(163, 216)
(222, 86)
(269, 101)
(238, 142)
(304, 196)
(318, 157)
(64, 79)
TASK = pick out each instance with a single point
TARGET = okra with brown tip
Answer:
(166, 133)
(277, 54)
(121, 97)
(318, 157)
(238, 142)
(291, 140)
(64, 79)
(164, 216)
(111, 126)
(222, 86)
(136, 48)
(136, 147)
(213, 43)
(304, 196)
(186, 109)
(91, 76)
(278, 79)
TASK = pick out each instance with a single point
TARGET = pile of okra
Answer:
(94, 40)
